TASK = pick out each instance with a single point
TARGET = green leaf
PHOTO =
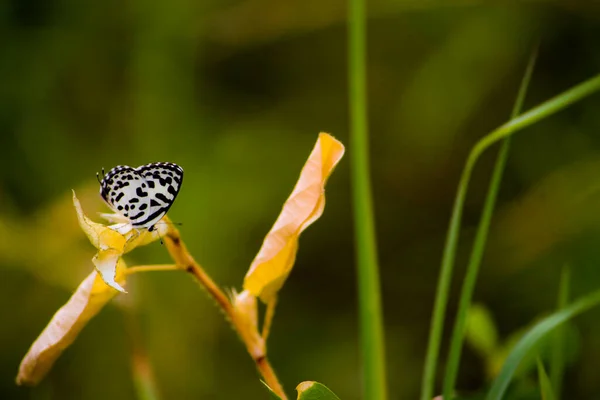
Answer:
(274, 395)
(557, 360)
(310, 390)
(545, 385)
(481, 331)
(533, 337)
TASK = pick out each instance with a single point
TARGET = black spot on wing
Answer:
(162, 197)
(140, 192)
(152, 217)
(154, 203)
(138, 215)
(119, 197)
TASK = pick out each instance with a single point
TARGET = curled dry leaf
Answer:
(112, 241)
(276, 257)
(65, 325)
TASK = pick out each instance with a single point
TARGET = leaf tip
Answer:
(304, 386)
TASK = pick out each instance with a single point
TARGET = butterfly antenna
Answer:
(98, 175)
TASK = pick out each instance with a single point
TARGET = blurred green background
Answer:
(236, 93)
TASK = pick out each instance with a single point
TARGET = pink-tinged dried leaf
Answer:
(65, 325)
(276, 257)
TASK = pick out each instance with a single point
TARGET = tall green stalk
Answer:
(544, 110)
(557, 355)
(369, 297)
(466, 294)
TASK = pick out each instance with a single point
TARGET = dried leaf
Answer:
(276, 257)
(65, 325)
(113, 241)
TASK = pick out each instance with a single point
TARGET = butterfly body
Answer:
(142, 195)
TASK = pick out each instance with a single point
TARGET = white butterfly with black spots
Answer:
(142, 195)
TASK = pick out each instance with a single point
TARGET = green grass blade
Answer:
(532, 116)
(272, 394)
(468, 286)
(533, 336)
(544, 110)
(557, 356)
(369, 296)
(544, 381)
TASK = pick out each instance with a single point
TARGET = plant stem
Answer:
(437, 322)
(151, 268)
(266, 329)
(479, 244)
(184, 260)
(369, 293)
(557, 355)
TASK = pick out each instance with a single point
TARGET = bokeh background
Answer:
(236, 92)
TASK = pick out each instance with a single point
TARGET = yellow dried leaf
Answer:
(101, 236)
(65, 325)
(276, 257)
(113, 241)
(106, 262)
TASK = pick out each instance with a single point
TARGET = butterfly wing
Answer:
(163, 181)
(144, 194)
(120, 189)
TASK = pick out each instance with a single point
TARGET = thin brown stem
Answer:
(269, 318)
(151, 268)
(184, 260)
(269, 376)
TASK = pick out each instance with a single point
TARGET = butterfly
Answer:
(141, 195)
